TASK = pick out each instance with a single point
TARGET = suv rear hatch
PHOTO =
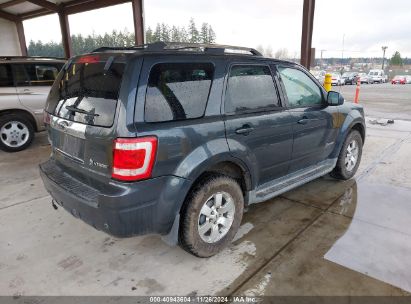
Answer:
(81, 110)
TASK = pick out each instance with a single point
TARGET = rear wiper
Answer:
(88, 113)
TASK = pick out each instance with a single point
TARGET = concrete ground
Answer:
(382, 100)
(325, 238)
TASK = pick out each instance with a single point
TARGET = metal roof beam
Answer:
(85, 6)
(10, 3)
(45, 4)
(8, 16)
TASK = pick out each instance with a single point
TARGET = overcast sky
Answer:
(366, 25)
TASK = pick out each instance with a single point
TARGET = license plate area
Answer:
(68, 138)
(71, 147)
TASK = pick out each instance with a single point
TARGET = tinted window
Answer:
(250, 87)
(87, 93)
(36, 74)
(5, 76)
(177, 91)
(300, 89)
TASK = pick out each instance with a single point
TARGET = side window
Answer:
(300, 89)
(41, 74)
(6, 80)
(20, 75)
(250, 87)
(36, 74)
(177, 91)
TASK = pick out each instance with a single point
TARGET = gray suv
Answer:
(24, 85)
(178, 139)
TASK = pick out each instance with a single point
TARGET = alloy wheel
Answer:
(216, 217)
(351, 156)
(14, 134)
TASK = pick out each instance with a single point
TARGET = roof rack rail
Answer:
(30, 57)
(206, 48)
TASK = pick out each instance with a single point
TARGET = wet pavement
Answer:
(325, 238)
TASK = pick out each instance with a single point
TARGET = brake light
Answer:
(89, 59)
(133, 158)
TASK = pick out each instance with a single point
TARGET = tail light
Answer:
(46, 118)
(133, 158)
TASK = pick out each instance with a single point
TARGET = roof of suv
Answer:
(182, 48)
(24, 59)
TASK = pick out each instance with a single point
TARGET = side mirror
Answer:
(334, 98)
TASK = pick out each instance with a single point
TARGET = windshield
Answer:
(87, 91)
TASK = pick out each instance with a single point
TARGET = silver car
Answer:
(24, 85)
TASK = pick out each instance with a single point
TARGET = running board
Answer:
(291, 181)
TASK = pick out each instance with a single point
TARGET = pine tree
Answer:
(165, 33)
(175, 34)
(157, 33)
(204, 33)
(193, 32)
(211, 35)
(396, 59)
(149, 35)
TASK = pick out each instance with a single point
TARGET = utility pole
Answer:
(342, 54)
(322, 62)
(383, 55)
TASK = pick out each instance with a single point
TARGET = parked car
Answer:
(319, 75)
(178, 139)
(350, 77)
(336, 79)
(24, 85)
(377, 76)
(364, 78)
(408, 78)
(399, 79)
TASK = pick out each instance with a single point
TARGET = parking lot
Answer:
(382, 100)
(325, 238)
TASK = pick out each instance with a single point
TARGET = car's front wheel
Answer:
(211, 215)
(350, 156)
(16, 133)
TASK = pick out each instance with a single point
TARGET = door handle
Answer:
(303, 121)
(244, 130)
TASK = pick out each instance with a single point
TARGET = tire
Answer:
(342, 170)
(205, 194)
(16, 133)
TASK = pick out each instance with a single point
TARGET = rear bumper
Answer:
(121, 209)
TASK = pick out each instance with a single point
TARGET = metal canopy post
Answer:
(138, 21)
(65, 34)
(307, 32)
(22, 37)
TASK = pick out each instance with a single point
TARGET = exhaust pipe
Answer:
(53, 203)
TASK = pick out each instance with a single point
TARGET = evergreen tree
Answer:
(84, 44)
(396, 59)
(165, 36)
(204, 33)
(149, 35)
(211, 35)
(157, 33)
(175, 34)
(193, 32)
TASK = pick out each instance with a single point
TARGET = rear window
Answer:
(178, 91)
(87, 92)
